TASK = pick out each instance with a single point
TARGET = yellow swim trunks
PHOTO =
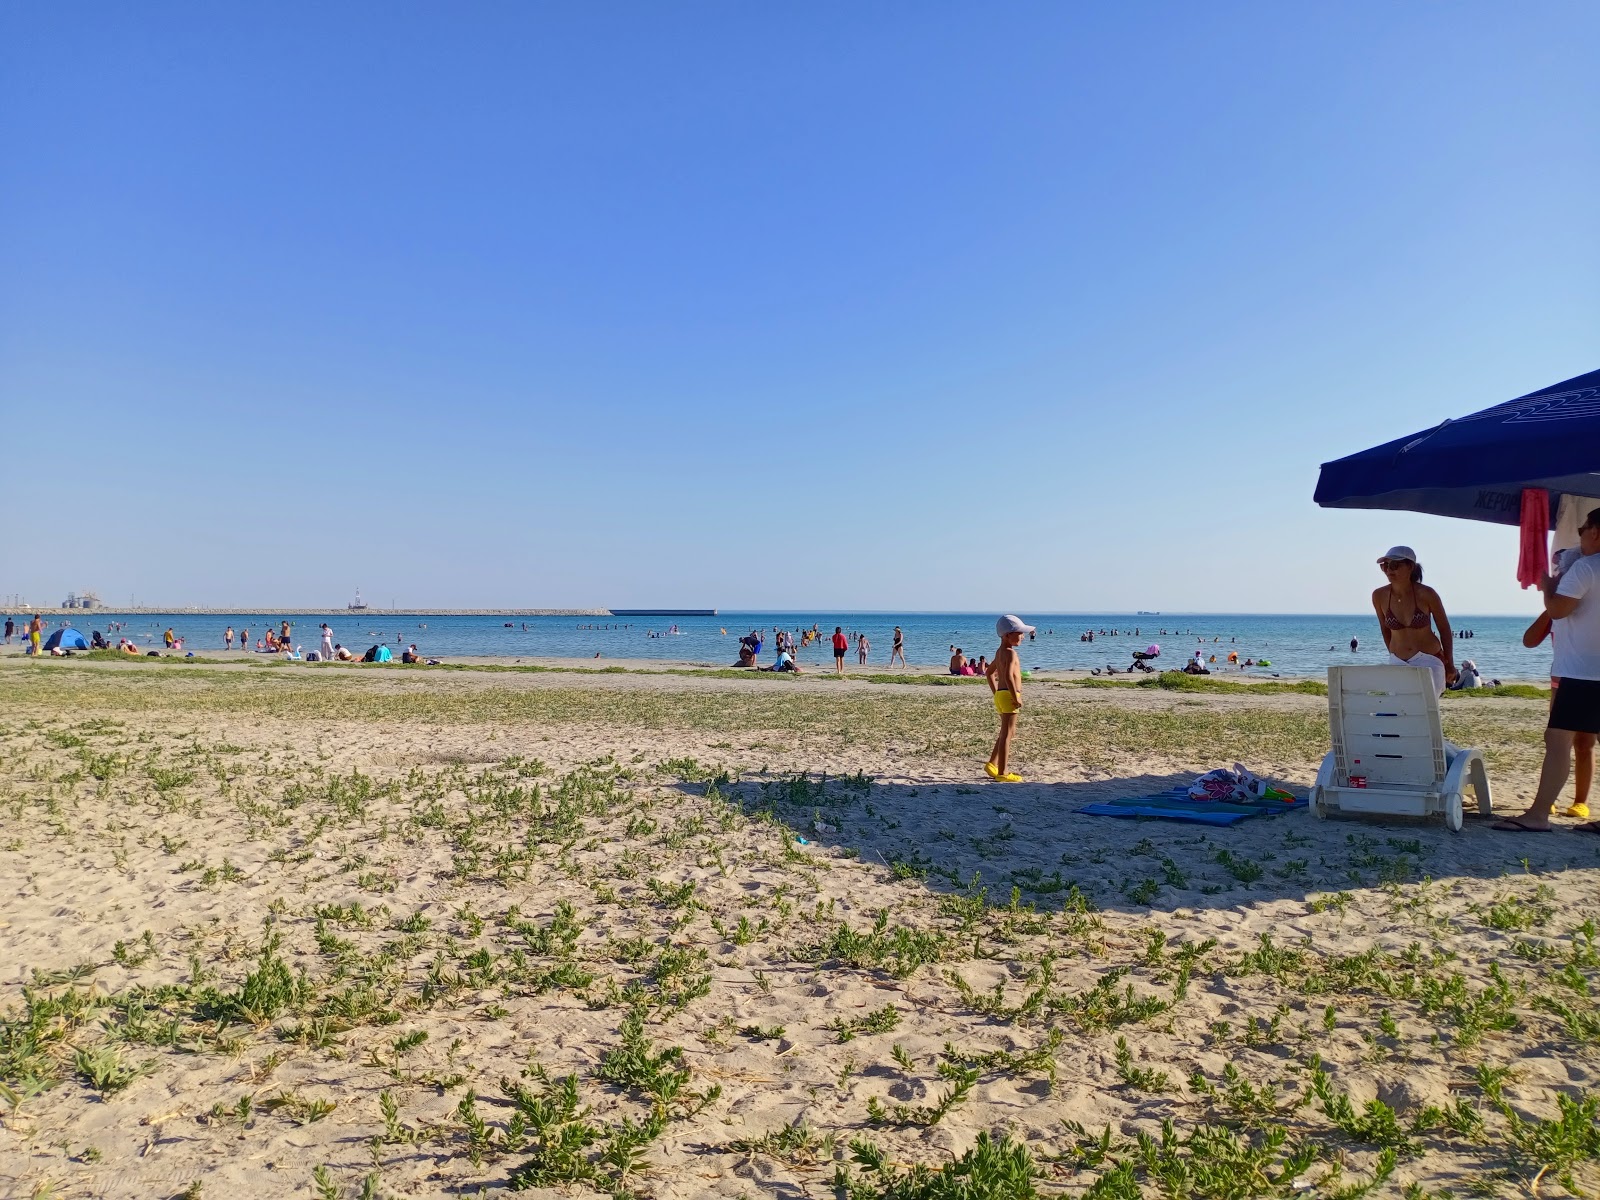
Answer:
(1004, 702)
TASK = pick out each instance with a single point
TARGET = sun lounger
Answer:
(1389, 751)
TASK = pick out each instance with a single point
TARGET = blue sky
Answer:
(1038, 307)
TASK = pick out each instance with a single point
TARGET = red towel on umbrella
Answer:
(1533, 563)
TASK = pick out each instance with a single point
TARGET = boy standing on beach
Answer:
(1005, 681)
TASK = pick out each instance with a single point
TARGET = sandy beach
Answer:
(276, 931)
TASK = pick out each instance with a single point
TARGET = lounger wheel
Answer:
(1452, 812)
(1319, 806)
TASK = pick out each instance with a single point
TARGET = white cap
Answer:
(1400, 552)
(1011, 624)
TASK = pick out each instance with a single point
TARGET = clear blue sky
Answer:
(1035, 307)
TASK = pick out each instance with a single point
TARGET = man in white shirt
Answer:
(1573, 604)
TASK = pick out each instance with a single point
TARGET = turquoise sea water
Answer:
(1297, 644)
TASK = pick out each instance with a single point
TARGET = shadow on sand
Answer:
(962, 836)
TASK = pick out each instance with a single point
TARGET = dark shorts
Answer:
(1576, 706)
(839, 654)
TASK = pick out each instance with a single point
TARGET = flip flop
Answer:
(1512, 825)
(1587, 827)
(994, 771)
(1011, 777)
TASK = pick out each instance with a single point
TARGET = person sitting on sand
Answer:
(126, 646)
(958, 660)
(341, 654)
(1407, 613)
(410, 655)
(785, 663)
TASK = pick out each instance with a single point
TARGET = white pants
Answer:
(1433, 662)
(327, 649)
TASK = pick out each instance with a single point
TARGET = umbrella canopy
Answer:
(1476, 466)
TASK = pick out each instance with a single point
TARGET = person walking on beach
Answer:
(899, 648)
(325, 652)
(11, 627)
(862, 646)
(244, 639)
(841, 646)
(1573, 605)
(227, 639)
(1005, 682)
(1407, 613)
(35, 634)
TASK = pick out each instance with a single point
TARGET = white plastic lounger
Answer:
(1386, 731)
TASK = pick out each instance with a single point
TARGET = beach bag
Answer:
(1238, 786)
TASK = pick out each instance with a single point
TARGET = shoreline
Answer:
(926, 674)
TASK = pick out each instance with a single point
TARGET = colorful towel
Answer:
(1177, 806)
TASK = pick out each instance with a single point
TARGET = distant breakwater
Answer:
(92, 614)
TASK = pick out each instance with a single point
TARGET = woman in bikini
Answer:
(1408, 612)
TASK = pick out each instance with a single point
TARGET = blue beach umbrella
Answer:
(1476, 466)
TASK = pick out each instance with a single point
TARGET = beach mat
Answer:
(1175, 805)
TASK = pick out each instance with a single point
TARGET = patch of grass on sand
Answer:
(955, 721)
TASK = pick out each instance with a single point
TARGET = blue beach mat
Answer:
(1175, 805)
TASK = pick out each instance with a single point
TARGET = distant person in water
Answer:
(1408, 610)
(862, 646)
(1353, 645)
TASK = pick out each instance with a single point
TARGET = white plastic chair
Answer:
(1385, 726)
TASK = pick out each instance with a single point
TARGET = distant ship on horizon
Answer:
(358, 604)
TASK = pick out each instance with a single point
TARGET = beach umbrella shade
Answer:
(1476, 466)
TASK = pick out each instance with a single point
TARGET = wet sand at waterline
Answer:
(686, 936)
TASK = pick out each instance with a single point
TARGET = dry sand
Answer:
(829, 924)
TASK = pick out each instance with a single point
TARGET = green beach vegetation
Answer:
(392, 929)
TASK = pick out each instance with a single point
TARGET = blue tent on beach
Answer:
(67, 638)
(1476, 466)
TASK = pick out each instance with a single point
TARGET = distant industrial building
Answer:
(86, 600)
